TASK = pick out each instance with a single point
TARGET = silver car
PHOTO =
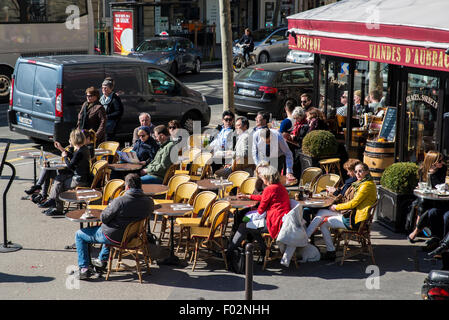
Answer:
(297, 56)
(269, 44)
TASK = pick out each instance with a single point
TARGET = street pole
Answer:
(226, 55)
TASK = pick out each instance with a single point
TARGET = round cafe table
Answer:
(102, 152)
(32, 155)
(154, 189)
(78, 195)
(430, 195)
(240, 203)
(168, 209)
(319, 203)
(208, 184)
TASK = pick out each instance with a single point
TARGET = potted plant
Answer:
(396, 194)
(317, 145)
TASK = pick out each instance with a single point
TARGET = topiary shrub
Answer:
(319, 144)
(400, 177)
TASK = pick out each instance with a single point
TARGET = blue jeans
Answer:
(149, 179)
(90, 235)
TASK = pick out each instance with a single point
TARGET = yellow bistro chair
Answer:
(237, 178)
(200, 166)
(111, 191)
(213, 235)
(173, 183)
(326, 180)
(134, 242)
(309, 175)
(128, 149)
(184, 193)
(248, 186)
(111, 146)
(203, 202)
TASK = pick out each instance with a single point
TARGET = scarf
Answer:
(104, 100)
(355, 185)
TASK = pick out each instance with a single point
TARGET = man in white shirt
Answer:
(269, 145)
(224, 140)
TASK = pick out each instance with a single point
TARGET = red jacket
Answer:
(276, 202)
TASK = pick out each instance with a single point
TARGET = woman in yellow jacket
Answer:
(364, 197)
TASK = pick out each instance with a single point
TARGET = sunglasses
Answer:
(304, 101)
(142, 135)
(228, 119)
(89, 95)
(172, 127)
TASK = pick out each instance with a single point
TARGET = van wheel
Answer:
(188, 120)
(5, 83)
(197, 66)
(174, 69)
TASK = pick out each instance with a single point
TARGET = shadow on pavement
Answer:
(4, 277)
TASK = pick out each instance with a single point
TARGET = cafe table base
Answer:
(172, 259)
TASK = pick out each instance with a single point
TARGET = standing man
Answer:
(145, 121)
(134, 205)
(154, 173)
(113, 106)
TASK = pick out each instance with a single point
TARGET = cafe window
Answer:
(421, 116)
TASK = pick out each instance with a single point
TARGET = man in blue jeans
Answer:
(134, 205)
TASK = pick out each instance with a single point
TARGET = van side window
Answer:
(127, 79)
(45, 82)
(160, 83)
(25, 78)
(301, 76)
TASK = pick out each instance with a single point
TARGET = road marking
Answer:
(20, 149)
(13, 160)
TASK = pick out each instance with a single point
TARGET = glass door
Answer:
(421, 116)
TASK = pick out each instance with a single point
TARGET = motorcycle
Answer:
(436, 284)
(238, 61)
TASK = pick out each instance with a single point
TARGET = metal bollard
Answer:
(249, 271)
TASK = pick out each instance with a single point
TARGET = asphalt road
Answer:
(40, 270)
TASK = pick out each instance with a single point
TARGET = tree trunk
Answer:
(226, 53)
(277, 9)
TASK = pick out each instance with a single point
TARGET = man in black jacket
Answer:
(134, 205)
(247, 41)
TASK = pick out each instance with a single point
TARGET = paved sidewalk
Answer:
(39, 270)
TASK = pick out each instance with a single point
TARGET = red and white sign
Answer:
(123, 31)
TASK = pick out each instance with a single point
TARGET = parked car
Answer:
(269, 45)
(297, 56)
(47, 94)
(266, 87)
(174, 54)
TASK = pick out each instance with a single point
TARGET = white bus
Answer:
(42, 28)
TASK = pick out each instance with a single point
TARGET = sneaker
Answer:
(83, 274)
(38, 198)
(33, 189)
(98, 263)
(54, 212)
(329, 255)
(47, 204)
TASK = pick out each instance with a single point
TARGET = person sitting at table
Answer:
(274, 204)
(173, 128)
(146, 147)
(433, 171)
(133, 206)
(241, 160)
(224, 140)
(306, 101)
(374, 101)
(300, 127)
(344, 193)
(155, 171)
(145, 121)
(365, 195)
(269, 145)
(77, 159)
(287, 124)
(92, 115)
(315, 120)
(342, 110)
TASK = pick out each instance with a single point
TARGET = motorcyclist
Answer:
(248, 44)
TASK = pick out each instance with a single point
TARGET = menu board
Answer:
(388, 129)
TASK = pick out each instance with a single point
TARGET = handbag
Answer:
(237, 261)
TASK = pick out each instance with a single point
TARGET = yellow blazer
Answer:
(364, 197)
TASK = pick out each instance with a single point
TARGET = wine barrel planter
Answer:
(378, 156)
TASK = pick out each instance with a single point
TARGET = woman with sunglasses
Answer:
(173, 127)
(146, 147)
(347, 215)
(92, 115)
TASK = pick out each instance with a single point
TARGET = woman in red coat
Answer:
(274, 203)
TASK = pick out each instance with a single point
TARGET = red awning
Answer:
(405, 32)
